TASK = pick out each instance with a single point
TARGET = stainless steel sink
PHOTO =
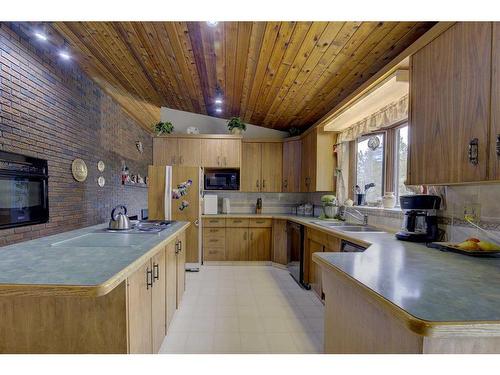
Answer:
(332, 224)
(359, 228)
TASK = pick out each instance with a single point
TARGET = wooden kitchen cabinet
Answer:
(314, 269)
(450, 106)
(220, 152)
(214, 244)
(271, 166)
(262, 164)
(189, 152)
(317, 161)
(237, 244)
(171, 281)
(279, 252)
(139, 301)
(181, 266)
(158, 304)
(494, 156)
(165, 151)
(251, 171)
(260, 244)
(292, 165)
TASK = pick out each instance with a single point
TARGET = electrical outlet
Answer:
(472, 212)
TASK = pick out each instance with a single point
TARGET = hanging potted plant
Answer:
(236, 125)
(164, 128)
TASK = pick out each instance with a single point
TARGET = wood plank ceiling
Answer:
(273, 74)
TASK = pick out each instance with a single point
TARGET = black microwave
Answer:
(222, 179)
(24, 192)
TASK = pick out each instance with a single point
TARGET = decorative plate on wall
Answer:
(79, 170)
(100, 166)
(101, 181)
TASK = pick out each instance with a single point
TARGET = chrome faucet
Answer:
(360, 216)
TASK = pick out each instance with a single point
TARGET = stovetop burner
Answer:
(145, 226)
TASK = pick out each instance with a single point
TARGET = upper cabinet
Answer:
(184, 152)
(195, 151)
(220, 153)
(318, 163)
(450, 91)
(495, 108)
(291, 165)
(261, 166)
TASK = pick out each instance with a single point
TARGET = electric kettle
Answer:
(120, 220)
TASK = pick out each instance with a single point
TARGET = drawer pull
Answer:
(213, 221)
(213, 230)
(213, 240)
(260, 221)
(236, 221)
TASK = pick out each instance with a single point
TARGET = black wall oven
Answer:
(24, 195)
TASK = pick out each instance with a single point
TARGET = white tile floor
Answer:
(245, 309)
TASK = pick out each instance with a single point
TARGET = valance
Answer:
(385, 117)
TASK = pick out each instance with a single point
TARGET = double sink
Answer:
(348, 227)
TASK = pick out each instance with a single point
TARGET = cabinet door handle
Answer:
(225, 161)
(474, 151)
(498, 144)
(245, 236)
(260, 221)
(181, 159)
(285, 183)
(174, 158)
(257, 184)
(156, 271)
(149, 278)
(213, 240)
(177, 247)
(180, 246)
(218, 160)
(264, 184)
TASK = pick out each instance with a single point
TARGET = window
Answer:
(401, 161)
(370, 165)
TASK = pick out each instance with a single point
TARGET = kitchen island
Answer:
(91, 291)
(401, 297)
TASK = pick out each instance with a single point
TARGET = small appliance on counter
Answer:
(210, 204)
(420, 218)
(226, 206)
(120, 220)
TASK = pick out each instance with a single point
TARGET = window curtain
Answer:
(386, 116)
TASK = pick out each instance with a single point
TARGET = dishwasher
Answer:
(295, 252)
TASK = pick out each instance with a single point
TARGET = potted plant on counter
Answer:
(236, 125)
(162, 128)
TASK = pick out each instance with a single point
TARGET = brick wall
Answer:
(51, 110)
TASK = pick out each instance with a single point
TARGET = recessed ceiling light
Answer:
(218, 110)
(65, 55)
(41, 35)
(212, 23)
(218, 101)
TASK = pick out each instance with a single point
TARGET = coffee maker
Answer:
(420, 218)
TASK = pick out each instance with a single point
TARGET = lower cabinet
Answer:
(159, 300)
(237, 244)
(154, 291)
(317, 241)
(139, 301)
(181, 266)
(171, 281)
(259, 248)
(241, 239)
(279, 254)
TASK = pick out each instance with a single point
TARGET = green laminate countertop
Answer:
(87, 261)
(428, 284)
